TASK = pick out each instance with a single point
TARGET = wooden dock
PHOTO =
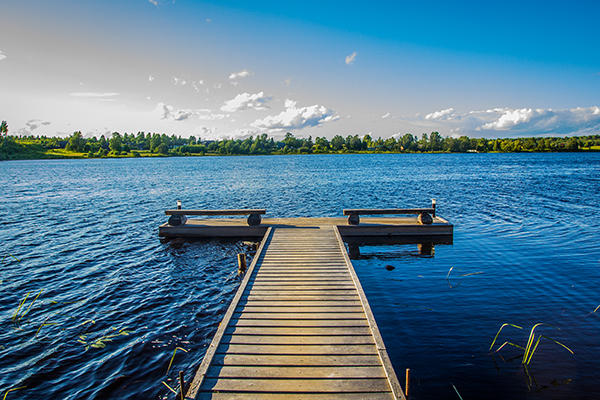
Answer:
(299, 327)
(371, 229)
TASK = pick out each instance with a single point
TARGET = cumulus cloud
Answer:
(93, 94)
(155, 2)
(443, 114)
(166, 112)
(32, 125)
(294, 118)
(150, 78)
(513, 121)
(386, 116)
(350, 59)
(542, 121)
(179, 81)
(246, 101)
(2, 56)
(241, 74)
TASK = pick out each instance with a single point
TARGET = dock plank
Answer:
(297, 328)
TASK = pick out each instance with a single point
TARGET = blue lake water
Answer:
(116, 301)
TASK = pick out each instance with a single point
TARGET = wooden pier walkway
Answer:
(299, 327)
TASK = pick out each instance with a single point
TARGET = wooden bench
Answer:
(425, 215)
(179, 217)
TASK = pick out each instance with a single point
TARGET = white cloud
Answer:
(179, 81)
(543, 121)
(386, 116)
(150, 78)
(166, 112)
(208, 20)
(2, 56)
(241, 74)
(440, 114)
(295, 118)
(155, 2)
(246, 101)
(506, 122)
(32, 125)
(350, 59)
(210, 116)
(93, 94)
(286, 82)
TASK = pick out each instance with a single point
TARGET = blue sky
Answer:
(239, 68)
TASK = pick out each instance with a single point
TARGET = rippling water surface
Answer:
(116, 302)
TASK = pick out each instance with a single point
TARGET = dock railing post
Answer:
(181, 385)
(433, 202)
(407, 390)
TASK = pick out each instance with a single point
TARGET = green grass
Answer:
(530, 347)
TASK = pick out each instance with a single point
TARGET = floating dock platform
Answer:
(300, 325)
(370, 230)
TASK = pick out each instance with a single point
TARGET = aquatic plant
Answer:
(169, 387)
(99, 343)
(456, 390)
(44, 324)
(12, 390)
(529, 347)
(16, 318)
(8, 254)
(173, 357)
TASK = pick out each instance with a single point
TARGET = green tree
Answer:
(4, 128)
(116, 143)
(338, 142)
(162, 149)
(76, 142)
(435, 141)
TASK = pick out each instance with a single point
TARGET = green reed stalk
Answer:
(173, 356)
(12, 390)
(530, 347)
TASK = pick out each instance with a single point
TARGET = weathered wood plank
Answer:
(339, 372)
(295, 396)
(315, 287)
(301, 292)
(216, 212)
(300, 323)
(297, 385)
(300, 303)
(297, 339)
(297, 360)
(299, 316)
(299, 297)
(297, 349)
(297, 331)
(345, 278)
(390, 211)
(300, 310)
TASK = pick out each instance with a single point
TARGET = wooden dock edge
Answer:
(192, 391)
(381, 350)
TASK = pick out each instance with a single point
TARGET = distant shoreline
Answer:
(155, 145)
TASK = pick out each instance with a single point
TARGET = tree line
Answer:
(154, 144)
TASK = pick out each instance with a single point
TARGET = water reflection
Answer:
(424, 248)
